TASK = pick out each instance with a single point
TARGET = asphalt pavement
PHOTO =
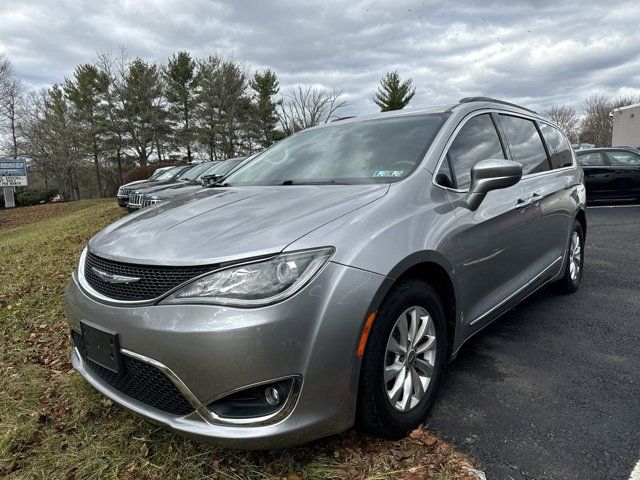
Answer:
(552, 389)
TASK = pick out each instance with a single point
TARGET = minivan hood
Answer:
(218, 225)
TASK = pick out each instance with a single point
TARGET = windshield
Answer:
(372, 151)
(167, 174)
(194, 172)
(157, 173)
(222, 168)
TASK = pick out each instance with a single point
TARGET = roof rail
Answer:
(494, 100)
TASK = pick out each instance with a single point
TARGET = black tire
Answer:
(375, 414)
(569, 284)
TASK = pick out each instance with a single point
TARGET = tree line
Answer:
(83, 134)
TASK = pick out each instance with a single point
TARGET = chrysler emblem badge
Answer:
(111, 278)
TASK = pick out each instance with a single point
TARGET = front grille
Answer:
(135, 199)
(147, 202)
(140, 381)
(154, 280)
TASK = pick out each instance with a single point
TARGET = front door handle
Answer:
(525, 202)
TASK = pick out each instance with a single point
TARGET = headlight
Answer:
(255, 284)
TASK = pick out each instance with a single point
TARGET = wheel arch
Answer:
(436, 270)
(582, 218)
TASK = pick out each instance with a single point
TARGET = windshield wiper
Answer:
(312, 182)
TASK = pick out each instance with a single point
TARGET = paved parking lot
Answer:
(552, 389)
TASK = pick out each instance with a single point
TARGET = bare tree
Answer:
(115, 68)
(597, 126)
(52, 141)
(304, 107)
(11, 96)
(565, 117)
(6, 75)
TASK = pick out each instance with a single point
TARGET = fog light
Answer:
(258, 401)
(272, 396)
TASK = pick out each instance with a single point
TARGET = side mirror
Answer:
(490, 175)
(209, 180)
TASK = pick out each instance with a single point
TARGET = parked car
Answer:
(329, 281)
(187, 175)
(218, 172)
(162, 174)
(215, 172)
(611, 173)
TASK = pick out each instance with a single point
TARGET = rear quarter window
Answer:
(559, 147)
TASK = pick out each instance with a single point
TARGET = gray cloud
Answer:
(539, 53)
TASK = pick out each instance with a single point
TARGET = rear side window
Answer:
(477, 140)
(525, 144)
(622, 158)
(591, 159)
(559, 147)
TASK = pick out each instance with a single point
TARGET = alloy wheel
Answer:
(575, 256)
(410, 358)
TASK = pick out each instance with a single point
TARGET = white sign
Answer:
(13, 172)
(13, 181)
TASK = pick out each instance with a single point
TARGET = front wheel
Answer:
(572, 277)
(403, 362)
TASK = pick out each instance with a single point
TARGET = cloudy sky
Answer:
(538, 53)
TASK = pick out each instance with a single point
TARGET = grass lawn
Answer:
(53, 425)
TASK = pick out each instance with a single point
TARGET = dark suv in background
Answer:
(160, 176)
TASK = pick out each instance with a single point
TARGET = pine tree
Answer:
(224, 107)
(265, 119)
(181, 83)
(393, 94)
(85, 94)
(142, 113)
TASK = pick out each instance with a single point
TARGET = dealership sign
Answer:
(13, 172)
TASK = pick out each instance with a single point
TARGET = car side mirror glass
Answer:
(490, 175)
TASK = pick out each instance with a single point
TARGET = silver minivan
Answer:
(329, 280)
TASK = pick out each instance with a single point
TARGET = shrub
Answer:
(144, 171)
(35, 196)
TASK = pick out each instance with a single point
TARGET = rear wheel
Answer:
(572, 278)
(403, 362)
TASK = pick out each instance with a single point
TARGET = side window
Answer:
(591, 160)
(622, 158)
(525, 144)
(477, 140)
(559, 147)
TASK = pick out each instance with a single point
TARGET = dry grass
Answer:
(54, 425)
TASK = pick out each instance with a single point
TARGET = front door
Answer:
(491, 240)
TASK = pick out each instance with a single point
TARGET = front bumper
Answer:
(123, 201)
(213, 350)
